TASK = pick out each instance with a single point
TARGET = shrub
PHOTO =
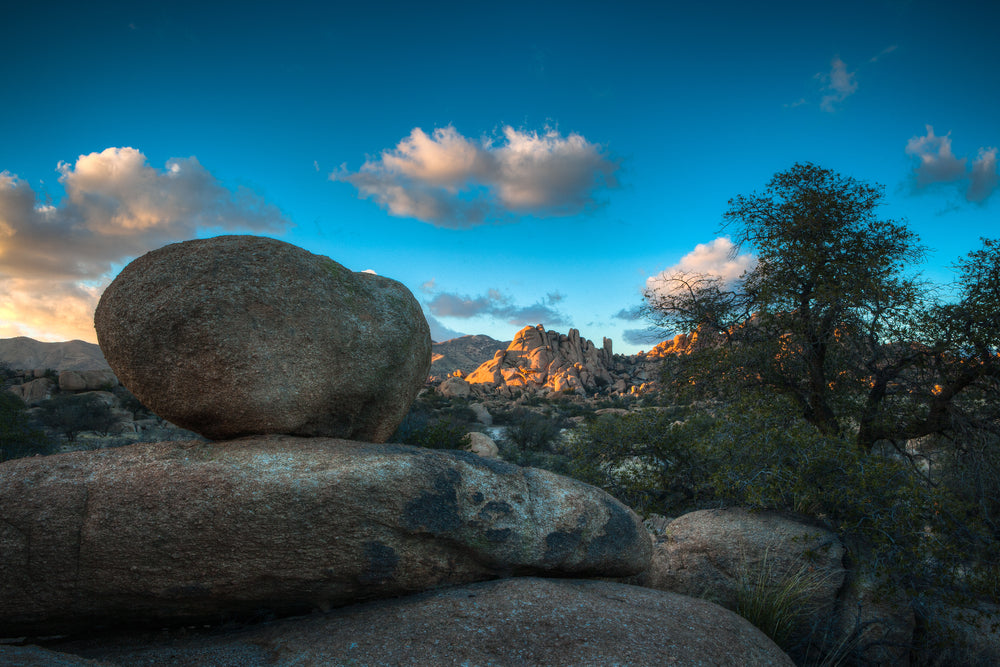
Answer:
(440, 434)
(759, 453)
(69, 414)
(17, 438)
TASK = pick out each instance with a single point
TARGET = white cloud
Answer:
(839, 85)
(449, 180)
(715, 259)
(116, 207)
(937, 164)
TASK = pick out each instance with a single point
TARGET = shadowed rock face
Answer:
(185, 531)
(243, 335)
(525, 621)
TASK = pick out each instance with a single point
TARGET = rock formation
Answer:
(524, 621)
(239, 335)
(73, 355)
(197, 531)
(547, 361)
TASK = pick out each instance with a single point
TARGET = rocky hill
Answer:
(540, 361)
(74, 355)
(465, 354)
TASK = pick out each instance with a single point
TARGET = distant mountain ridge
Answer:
(75, 355)
(465, 353)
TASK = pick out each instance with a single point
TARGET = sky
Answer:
(511, 163)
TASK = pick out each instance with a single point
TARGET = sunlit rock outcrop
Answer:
(548, 361)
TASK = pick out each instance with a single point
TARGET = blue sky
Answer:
(511, 163)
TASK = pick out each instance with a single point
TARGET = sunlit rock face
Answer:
(242, 335)
(176, 532)
(548, 361)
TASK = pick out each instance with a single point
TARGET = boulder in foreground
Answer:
(524, 622)
(245, 335)
(179, 532)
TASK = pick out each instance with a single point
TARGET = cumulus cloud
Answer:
(495, 304)
(839, 84)
(937, 164)
(717, 258)
(55, 259)
(449, 180)
(983, 179)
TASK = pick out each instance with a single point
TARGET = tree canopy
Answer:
(834, 316)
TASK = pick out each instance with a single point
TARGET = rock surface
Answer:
(191, 531)
(540, 361)
(35, 656)
(35, 391)
(715, 553)
(241, 335)
(74, 355)
(517, 622)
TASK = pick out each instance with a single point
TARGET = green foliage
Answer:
(17, 438)
(759, 453)
(69, 414)
(441, 434)
(829, 318)
(532, 431)
(778, 603)
(436, 422)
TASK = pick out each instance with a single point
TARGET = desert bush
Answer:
(17, 438)
(69, 414)
(532, 431)
(758, 453)
(438, 434)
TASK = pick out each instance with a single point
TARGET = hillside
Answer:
(74, 355)
(465, 353)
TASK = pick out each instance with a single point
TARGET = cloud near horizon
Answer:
(938, 165)
(448, 180)
(716, 258)
(56, 259)
(496, 305)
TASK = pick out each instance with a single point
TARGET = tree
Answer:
(832, 317)
(17, 438)
(70, 414)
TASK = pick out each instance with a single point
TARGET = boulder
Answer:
(99, 380)
(481, 444)
(241, 335)
(454, 387)
(724, 554)
(34, 392)
(72, 381)
(482, 413)
(876, 624)
(35, 656)
(178, 532)
(525, 621)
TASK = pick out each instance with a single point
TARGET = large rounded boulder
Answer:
(242, 335)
